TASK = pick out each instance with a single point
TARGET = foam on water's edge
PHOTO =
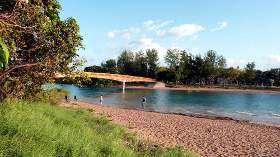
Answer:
(276, 115)
(247, 113)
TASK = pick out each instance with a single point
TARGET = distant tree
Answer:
(172, 58)
(94, 68)
(221, 68)
(165, 75)
(221, 62)
(233, 74)
(272, 77)
(198, 70)
(140, 64)
(210, 66)
(259, 78)
(275, 76)
(250, 73)
(152, 61)
(125, 63)
(184, 68)
(110, 66)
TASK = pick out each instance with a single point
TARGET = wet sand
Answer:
(209, 137)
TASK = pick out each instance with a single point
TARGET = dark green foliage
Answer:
(110, 66)
(138, 63)
(152, 62)
(141, 63)
(185, 68)
(165, 75)
(94, 68)
(125, 63)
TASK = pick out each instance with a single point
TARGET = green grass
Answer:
(40, 129)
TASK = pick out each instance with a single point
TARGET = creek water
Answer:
(254, 107)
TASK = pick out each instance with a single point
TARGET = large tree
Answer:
(183, 70)
(209, 66)
(232, 75)
(152, 61)
(250, 73)
(125, 62)
(140, 64)
(172, 58)
(35, 45)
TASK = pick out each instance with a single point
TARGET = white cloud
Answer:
(151, 25)
(221, 25)
(125, 33)
(157, 26)
(194, 37)
(181, 31)
(111, 35)
(274, 57)
(148, 43)
(234, 63)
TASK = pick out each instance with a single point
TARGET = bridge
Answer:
(108, 76)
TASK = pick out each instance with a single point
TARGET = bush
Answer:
(52, 96)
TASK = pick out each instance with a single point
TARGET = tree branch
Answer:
(16, 25)
(15, 67)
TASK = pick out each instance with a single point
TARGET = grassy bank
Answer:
(40, 129)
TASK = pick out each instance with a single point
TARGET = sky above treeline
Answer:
(240, 30)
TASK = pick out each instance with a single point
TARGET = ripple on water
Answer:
(247, 113)
(276, 115)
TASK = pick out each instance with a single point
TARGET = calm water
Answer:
(256, 107)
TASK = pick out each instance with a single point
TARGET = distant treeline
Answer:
(187, 69)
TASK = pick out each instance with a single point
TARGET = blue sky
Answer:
(240, 30)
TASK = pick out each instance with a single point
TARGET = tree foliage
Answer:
(125, 62)
(110, 66)
(35, 44)
(172, 58)
(152, 62)
(186, 68)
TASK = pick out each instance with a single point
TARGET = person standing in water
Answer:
(144, 100)
(66, 98)
(75, 98)
(101, 99)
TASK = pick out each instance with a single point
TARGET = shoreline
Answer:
(210, 89)
(208, 136)
(192, 115)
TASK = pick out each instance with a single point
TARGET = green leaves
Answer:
(34, 33)
(4, 54)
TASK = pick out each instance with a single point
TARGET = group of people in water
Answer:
(143, 101)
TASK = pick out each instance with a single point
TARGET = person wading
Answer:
(66, 98)
(143, 103)
(101, 99)
(75, 98)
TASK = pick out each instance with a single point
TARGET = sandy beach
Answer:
(209, 137)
